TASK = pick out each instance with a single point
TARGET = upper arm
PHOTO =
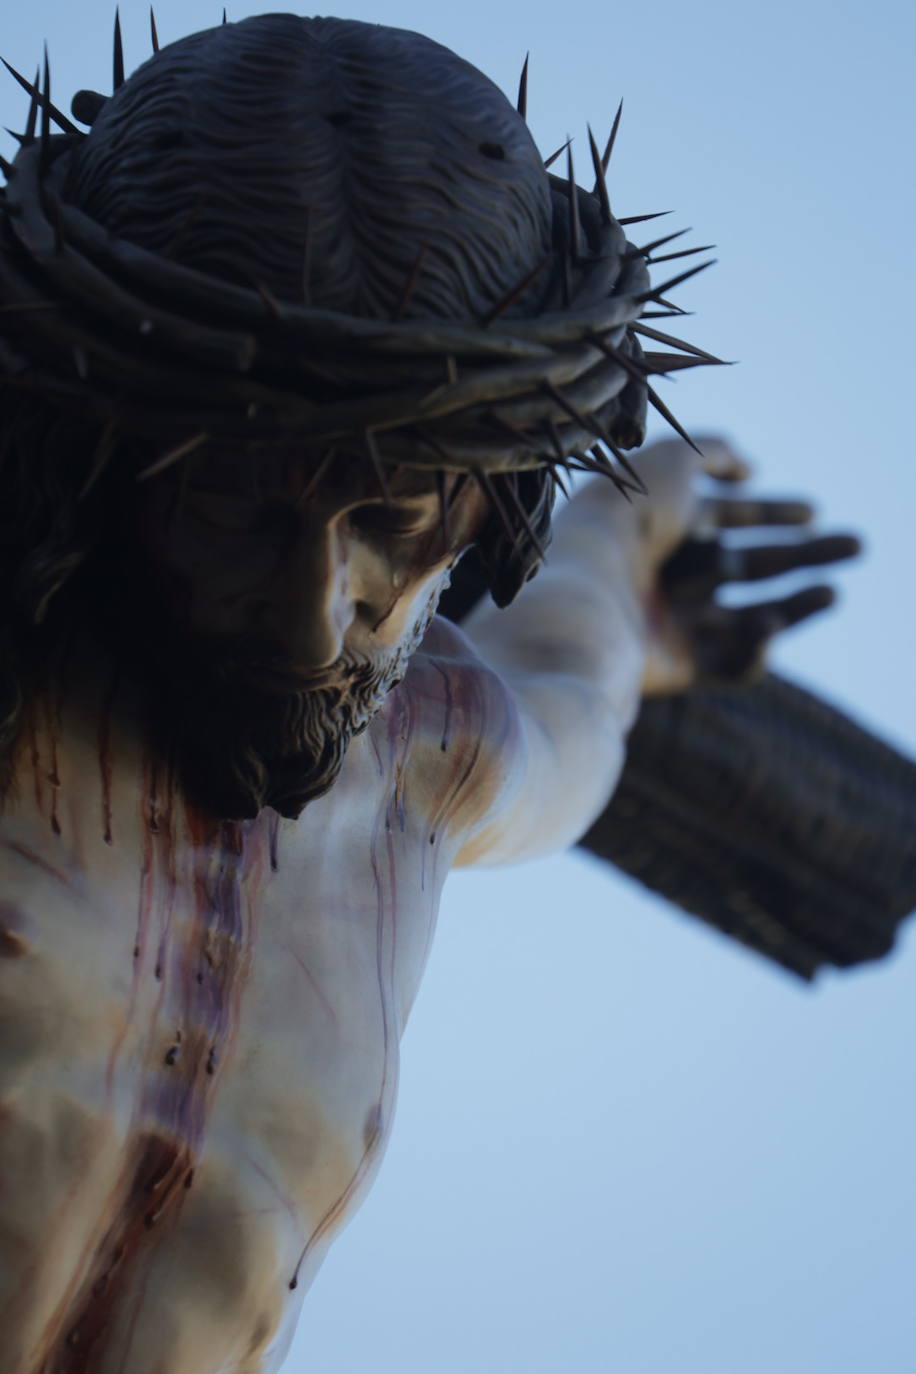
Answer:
(530, 758)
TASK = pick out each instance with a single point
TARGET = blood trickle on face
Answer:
(290, 595)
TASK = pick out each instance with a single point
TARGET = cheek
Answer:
(199, 577)
(413, 599)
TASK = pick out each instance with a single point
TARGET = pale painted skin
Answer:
(201, 1020)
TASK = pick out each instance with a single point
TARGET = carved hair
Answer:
(321, 158)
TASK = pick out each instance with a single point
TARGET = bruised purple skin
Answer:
(178, 1095)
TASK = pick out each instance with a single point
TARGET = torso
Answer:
(200, 1030)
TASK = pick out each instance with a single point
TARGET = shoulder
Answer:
(460, 727)
(455, 693)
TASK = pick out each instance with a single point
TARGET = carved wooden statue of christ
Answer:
(299, 321)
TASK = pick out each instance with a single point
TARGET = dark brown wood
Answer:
(772, 816)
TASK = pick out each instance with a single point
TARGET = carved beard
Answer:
(235, 749)
(238, 750)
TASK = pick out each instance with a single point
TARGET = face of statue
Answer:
(291, 594)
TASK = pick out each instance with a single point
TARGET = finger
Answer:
(724, 513)
(771, 560)
(722, 461)
(732, 645)
(769, 617)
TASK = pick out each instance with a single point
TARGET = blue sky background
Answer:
(623, 1143)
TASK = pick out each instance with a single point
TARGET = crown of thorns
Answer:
(146, 346)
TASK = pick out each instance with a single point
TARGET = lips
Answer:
(278, 676)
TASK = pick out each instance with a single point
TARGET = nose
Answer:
(309, 606)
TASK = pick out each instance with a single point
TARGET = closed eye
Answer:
(381, 517)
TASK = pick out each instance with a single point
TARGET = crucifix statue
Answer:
(301, 320)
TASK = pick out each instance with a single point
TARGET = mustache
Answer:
(238, 665)
(243, 748)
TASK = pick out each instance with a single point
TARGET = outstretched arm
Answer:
(613, 615)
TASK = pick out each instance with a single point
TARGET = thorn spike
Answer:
(662, 364)
(316, 477)
(6, 168)
(583, 421)
(60, 119)
(641, 219)
(612, 139)
(527, 440)
(225, 20)
(45, 112)
(103, 451)
(628, 467)
(629, 366)
(553, 435)
(33, 111)
(600, 183)
(647, 248)
(153, 31)
(493, 497)
(682, 253)
(556, 473)
(513, 294)
(672, 342)
(574, 228)
(173, 456)
(522, 102)
(601, 430)
(269, 299)
(549, 161)
(118, 58)
(522, 515)
(433, 443)
(604, 468)
(657, 291)
(658, 403)
(377, 464)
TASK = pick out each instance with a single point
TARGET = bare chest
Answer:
(201, 1064)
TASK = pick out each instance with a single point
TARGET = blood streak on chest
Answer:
(53, 708)
(105, 761)
(201, 961)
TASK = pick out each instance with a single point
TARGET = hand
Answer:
(683, 561)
